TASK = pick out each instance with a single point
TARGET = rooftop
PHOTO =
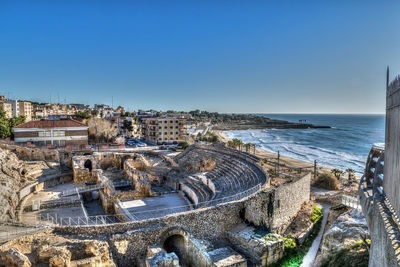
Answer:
(51, 124)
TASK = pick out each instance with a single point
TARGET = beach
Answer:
(287, 161)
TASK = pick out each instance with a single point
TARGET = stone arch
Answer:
(176, 240)
(88, 164)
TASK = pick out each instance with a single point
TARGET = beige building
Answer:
(164, 130)
(7, 108)
(58, 133)
(25, 109)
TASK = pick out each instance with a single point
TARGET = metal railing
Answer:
(54, 219)
(86, 188)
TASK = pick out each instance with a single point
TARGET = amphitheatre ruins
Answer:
(200, 207)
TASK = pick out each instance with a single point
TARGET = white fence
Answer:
(351, 201)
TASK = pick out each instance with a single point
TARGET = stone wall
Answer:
(131, 239)
(32, 154)
(275, 208)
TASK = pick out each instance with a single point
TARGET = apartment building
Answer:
(25, 109)
(164, 130)
(52, 132)
(15, 107)
(7, 108)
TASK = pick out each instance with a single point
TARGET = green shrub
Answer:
(271, 172)
(327, 181)
(184, 144)
(294, 256)
(317, 214)
(290, 245)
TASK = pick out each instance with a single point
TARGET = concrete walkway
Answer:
(309, 258)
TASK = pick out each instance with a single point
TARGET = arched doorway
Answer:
(176, 243)
(88, 164)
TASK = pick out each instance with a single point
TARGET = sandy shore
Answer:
(290, 162)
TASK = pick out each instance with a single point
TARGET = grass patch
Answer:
(294, 254)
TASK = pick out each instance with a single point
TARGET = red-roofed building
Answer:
(52, 132)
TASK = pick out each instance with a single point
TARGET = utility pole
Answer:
(315, 170)
(277, 173)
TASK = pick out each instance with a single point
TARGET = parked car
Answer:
(140, 144)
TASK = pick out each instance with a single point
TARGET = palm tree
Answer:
(337, 173)
(247, 146)
(254, 148)
(350, 172)
(240, 145)
(230, 144)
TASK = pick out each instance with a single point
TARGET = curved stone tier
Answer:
(234, 172)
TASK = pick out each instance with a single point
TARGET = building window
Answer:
(171, 127)
(176, 121)
(176, 127)
(176, 133)
(165, 127)
(171, 133)
(58, 133)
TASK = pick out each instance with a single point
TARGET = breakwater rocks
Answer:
(273, 124)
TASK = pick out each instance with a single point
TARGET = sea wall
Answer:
(392, 145)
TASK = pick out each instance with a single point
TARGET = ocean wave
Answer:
(304, 147)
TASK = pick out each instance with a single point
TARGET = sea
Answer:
(345, 145)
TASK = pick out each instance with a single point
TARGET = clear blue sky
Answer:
(225, 56)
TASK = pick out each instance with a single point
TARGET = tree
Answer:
(16, 121)
(247, 146)
(338, 173)
(102, 130)
(183, 144)
(82, 115)
(94, 112)
(350, 172)
(127, 125)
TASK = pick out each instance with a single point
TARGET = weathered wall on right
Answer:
(382, 252)
(392, 145)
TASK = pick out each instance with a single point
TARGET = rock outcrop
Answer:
(15, 174)
(348, 229)
(49, 249)
(13, 257)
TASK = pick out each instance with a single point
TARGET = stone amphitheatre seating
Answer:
(234, 172)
